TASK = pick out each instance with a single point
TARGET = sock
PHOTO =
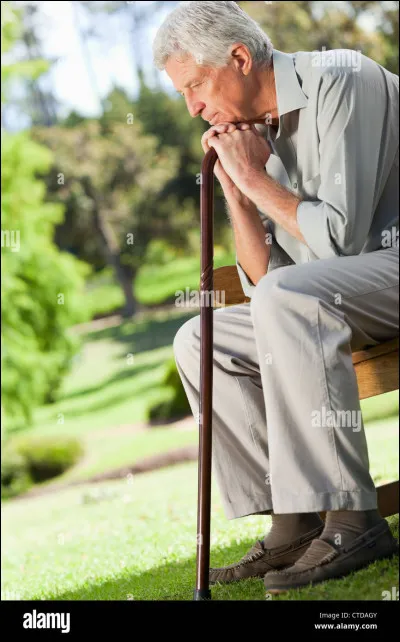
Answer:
(288, 527)
(343, 526)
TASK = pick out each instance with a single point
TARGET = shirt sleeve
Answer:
(350, 113)
(277, 258)
(247, 285)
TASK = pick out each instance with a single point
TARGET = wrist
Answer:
(251, 179)
(236, 200)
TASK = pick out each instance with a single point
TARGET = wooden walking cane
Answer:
(202, 591)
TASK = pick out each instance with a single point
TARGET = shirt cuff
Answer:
(312, 220)
(247, 285)
(277, 258)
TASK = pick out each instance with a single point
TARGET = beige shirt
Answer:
(336, 148)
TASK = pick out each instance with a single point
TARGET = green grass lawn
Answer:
(136, 539)
(115, 379)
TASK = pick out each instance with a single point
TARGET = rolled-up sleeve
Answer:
(247, 285)
(350, 129)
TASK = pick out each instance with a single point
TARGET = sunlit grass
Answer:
(136, 539)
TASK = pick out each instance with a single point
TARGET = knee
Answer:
(271, 292)
(290, 293)
(186, 338)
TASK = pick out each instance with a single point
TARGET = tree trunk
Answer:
(126, 280)
(123, 273)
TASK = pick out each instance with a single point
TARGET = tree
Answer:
(42, 288)
(28, 95)
(110, 179)
(309, 26)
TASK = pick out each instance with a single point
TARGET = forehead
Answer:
(182, 72)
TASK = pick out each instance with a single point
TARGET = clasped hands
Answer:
(242, 154)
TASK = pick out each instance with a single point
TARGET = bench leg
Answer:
(388, 499)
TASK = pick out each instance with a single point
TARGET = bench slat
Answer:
(378, 375)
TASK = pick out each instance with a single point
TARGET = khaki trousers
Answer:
(288, 435)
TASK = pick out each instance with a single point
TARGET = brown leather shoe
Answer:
(322, 561)
(258, 560)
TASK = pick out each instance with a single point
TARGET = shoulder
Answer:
(341, 67)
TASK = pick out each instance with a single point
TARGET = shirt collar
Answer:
(289, 93)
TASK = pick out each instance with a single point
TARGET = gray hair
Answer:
(206, 30)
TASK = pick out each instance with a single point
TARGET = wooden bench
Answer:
(377, 370)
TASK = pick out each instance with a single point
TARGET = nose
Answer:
(195, 107)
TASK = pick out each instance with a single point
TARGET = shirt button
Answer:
(295, 185)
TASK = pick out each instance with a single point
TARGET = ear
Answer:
(241, 57)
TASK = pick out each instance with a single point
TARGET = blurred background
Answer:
(100, 234)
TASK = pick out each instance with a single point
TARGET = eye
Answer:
(197, 84)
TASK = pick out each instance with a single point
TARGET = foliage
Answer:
(116, 171)
(26, 461)
(177, 406)
(48, 457)
(15, 478)
(41, 287)
(155, 122)
(310, 26)
(19, 73)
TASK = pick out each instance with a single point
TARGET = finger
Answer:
(213, 131)
(243, 126)
(230, 127)
(215, 143)
(221, 128)
(206, 137)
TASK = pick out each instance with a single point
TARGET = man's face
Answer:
(219, 95)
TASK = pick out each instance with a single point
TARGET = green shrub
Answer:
(26, 461)
(15, 478)
(49, 457)
(42, 289)
(177, 406)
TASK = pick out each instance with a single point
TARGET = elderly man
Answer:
(308, 162)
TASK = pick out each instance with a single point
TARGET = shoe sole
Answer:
(262, 574)
(382, 556)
